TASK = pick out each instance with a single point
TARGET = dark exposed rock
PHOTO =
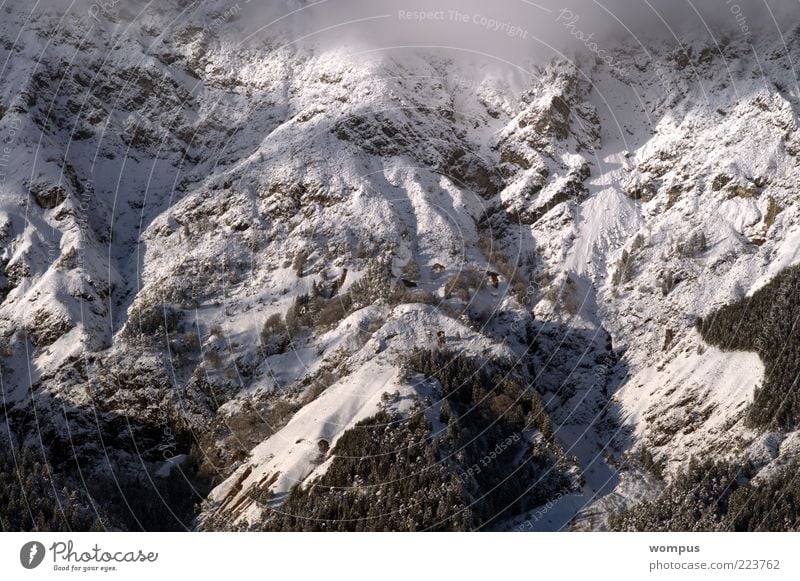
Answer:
(720, 181)
(48, 197)
(48, 327)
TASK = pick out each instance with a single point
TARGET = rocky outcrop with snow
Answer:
(234, 249)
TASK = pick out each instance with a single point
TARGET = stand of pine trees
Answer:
(767, 323)
(391, 473)
(38, 495)
(386, 476)
(34, 498)
(717, 496)
(485, 403)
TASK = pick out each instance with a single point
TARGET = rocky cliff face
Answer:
(220, 261)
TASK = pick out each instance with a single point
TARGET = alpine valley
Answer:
(283, 286)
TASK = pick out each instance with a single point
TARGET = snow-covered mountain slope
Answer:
(232, 252)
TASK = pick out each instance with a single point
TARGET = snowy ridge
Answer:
(207, 188)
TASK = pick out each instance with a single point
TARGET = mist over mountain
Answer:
(515, 30)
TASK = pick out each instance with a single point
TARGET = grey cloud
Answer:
(515, 29)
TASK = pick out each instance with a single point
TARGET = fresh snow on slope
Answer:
(208, 186)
